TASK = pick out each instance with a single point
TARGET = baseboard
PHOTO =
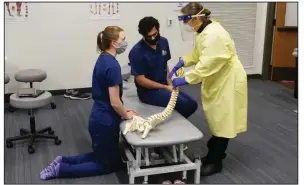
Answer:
(284, 73)
(62, 91)
(254, 76)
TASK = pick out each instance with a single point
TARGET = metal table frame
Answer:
(142, 165)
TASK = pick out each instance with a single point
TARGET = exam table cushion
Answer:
(175, 130)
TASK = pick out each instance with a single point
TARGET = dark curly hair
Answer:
(146, 24)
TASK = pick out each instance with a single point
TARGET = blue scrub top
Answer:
(107, 73)
(152, 63)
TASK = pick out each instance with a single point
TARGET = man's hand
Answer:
(147, 83)
(169, 81)
(169, 88)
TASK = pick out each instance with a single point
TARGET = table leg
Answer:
(131, 179)
(147, 164)
(174, 153)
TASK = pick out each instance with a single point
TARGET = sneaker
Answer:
(50, 172)
(56, 161)
(179, 182)
(68, 93)
(167, 182)
(77, 95)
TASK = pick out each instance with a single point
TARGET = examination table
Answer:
(169, 137)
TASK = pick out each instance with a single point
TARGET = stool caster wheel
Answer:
(57, 141)
(53, 105)
(31, 150)
(51, 132)
(9, 144)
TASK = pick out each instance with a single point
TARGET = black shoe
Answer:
(204, 159)
(77, 95)
(211, 169)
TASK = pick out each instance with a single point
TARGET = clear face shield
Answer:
(186, 30)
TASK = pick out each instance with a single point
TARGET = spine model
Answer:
(146, 125)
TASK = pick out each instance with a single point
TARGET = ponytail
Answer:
(100, 47)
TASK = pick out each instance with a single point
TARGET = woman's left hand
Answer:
(179, 82)
(131, 110)
(179, 65)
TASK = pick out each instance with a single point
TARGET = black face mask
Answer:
(153, 41)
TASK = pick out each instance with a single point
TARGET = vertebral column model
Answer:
(145, 125)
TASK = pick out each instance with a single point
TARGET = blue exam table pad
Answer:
(173, 131)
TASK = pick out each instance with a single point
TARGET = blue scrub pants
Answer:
(103, 160)
(185, 105)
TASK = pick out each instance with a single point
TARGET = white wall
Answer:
(60, 39)
(291, 16)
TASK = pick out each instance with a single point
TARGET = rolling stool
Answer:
(32, 75)
(6, 79)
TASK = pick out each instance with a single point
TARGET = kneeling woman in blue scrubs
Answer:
(106, 115)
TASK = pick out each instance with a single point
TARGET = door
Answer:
(284, 41)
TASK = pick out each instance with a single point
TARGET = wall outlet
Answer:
(169, 22)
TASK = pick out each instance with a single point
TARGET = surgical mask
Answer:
(122, 47)
(153, 41)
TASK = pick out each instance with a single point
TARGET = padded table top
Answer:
(175, 130)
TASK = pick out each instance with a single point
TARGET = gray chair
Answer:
(32, 103)
(6, 81)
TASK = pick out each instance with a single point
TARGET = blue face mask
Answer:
(122, 47)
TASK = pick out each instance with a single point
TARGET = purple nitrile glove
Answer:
(179, 82)
(180, 64)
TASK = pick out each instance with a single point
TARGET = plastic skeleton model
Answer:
(146, 125)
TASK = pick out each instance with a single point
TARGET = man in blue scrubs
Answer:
(148, 59)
